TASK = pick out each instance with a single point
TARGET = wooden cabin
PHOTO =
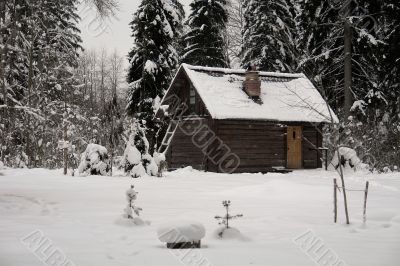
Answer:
(228, 120)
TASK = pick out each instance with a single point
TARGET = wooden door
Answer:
(294, 151)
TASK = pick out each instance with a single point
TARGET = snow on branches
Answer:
(131, 208)
(95, 161)
(137, 160)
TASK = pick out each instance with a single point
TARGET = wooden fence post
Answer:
(326, 159)
(335, 199)
(365, 202)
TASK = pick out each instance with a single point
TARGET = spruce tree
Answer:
(153, 59)
(268, 35)
(204, 42)
(317, 59)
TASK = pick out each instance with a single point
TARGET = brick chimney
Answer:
(252, 84)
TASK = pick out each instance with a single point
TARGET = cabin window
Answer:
(192, 98)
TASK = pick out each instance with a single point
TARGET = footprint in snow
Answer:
(386, 225)
(17, 204)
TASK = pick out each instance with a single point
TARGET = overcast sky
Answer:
(114, 33)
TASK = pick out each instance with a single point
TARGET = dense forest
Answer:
(54, 91)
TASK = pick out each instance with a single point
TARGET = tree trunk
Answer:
(348, 98)
(343, 188)
(335, 200)
(29, 150)
(2, 74)
(365, 202)
(65, 147)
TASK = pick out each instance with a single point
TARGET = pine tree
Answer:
(316, 26)
(153, 59)
(268, 35)
(204, 42)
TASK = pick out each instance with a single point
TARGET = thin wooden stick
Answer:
(335, 199)
(365, 202)
(346, 211)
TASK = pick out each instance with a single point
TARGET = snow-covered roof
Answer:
(285, 97)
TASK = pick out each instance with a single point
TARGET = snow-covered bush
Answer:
(95, 161)
(377, 141)
(136, 160)
(138, 171)
(21, 160)
(348, 159)
(150, 165)
(161, 162)
(131, 157)
(1, 165)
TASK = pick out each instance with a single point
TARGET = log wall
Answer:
(183, 150)
(259, 145)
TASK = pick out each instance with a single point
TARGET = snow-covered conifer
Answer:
(204, 42)
(131, 208)
(268, 39)
(225, 219)
(153, 59)
(137, 160)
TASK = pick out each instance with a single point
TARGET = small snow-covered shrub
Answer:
(348, 159)
(150, 165)
(131, 157)
(95, 161)
(131, 211)
(136, 160)
(161, 162)
(138, 171)
(131, 208)
(1, 165)
(20, 161)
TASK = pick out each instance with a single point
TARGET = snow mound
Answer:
(382, 216)
(230, 234)
(178, 232)
(135, 221)
(1, 165)
(94, 161)
(138, 171)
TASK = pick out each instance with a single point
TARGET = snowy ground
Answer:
(81, 216)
